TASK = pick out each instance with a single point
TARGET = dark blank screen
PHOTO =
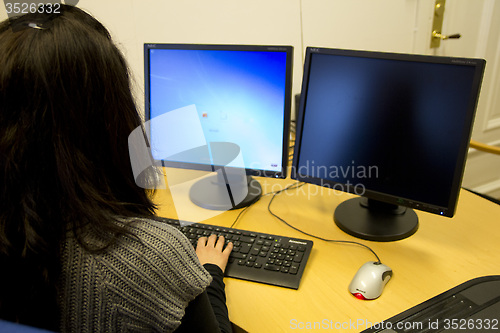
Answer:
(403, 121)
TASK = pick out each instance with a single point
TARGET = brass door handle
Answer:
(436, 34)
(437, 25)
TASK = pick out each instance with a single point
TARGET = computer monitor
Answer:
(392, 128)
(229, 109)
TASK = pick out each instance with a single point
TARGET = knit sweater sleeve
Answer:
(137, 285)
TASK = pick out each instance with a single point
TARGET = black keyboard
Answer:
(473, 306)
(258, 257)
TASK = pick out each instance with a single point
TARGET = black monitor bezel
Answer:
(230, 47)
(450, 209)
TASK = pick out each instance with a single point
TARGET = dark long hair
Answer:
(66, 111)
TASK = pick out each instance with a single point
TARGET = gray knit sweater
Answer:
(135, 286)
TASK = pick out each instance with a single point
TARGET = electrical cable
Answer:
(311, 235)
(263, 195)
(292, 187)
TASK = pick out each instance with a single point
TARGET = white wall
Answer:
(300, 23)
(135, 22)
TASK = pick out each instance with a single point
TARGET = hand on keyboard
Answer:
(253, 256)
(211, 251)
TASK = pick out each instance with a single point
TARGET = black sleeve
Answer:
(199, 316)
(217, 296)
(208, 312)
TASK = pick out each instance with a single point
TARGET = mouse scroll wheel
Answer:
(386, 274)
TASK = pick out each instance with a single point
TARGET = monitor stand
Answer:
(225, 191)
(229, 188)
(375, 220)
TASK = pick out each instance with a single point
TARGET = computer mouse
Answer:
(370, 280)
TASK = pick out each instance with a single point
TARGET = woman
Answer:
(79, 247)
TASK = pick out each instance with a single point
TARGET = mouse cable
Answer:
(292, 187)
(308, 234)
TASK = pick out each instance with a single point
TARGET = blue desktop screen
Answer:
(239, 97)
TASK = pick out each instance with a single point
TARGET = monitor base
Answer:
(374, 220)
(211, 193)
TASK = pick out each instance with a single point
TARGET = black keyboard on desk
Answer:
(258, 257)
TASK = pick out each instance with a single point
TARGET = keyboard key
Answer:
(272, 267)
(246, 239)
(238, 255)
(298, 257)
(245, 248)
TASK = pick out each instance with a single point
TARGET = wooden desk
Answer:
(442, 254)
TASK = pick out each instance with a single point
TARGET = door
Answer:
(478, 22)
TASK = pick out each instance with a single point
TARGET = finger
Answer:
(202, 241)
(211, 240)
(220, 243)
(228, 249)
